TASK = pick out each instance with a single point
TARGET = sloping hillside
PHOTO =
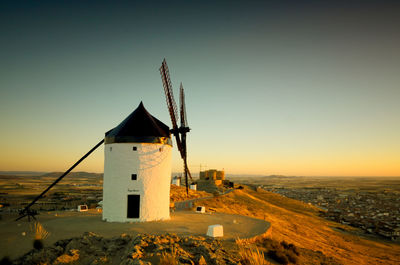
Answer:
(298, 223)
(178, 194)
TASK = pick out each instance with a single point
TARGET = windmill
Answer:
(179, 133)
(137, 163)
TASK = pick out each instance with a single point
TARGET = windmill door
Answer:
(133, 206)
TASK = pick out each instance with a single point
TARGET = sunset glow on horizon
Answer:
(281, 88)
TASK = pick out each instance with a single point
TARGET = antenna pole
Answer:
(26, 210)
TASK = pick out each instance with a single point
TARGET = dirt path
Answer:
(73, 224)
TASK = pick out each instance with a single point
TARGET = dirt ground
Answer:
(17, 237)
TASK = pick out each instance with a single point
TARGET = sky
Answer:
(272, 87)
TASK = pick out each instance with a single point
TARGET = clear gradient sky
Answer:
(272, 87)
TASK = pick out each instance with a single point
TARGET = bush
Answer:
(281, 252)
(168, 258)
(290, 247)
(5, 261)
(284, 244)
(292, 257)
(279, 256)
(38, 244)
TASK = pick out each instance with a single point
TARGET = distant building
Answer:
(176, 181)
(213, 175)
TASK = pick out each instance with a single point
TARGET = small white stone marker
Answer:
(200, 209)
(215, 231)
(82, 208)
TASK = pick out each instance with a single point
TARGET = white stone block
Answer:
(215, 231)
(176, 182)
(82, 208)
(193, 186)
(200, 209)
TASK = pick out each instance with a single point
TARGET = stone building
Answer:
(213, 175)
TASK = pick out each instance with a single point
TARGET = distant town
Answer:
(373, 212)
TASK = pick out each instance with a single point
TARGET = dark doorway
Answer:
(133, 206)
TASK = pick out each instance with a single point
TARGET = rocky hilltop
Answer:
(132, 250)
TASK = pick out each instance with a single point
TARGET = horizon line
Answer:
(29, 172)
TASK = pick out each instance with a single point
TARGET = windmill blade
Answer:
(180, 133)
(182, 107)
(186, 173)
(170, 101)
(184, 127)
(164, 71)
(185, 166)
(183, 130)
(185, 170)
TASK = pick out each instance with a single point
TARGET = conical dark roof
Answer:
(139, 127)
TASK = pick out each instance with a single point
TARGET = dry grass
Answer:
(39, 235)
(169, 258)
(298, 223)
(39, 232)
(250, 256)
(179, 194)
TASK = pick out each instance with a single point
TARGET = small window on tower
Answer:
(110, 148)
(134, 177)
(134, 148)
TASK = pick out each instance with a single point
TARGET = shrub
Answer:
(294, 249)
(284, 244)
(5, 261)
(292, 257)
(290, 247)
(270, 244)
(38, 244)
(281, 252)
(279, 256)
(168, 258)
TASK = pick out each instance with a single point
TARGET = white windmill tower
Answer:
(137, 169)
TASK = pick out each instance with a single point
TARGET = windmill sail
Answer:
(180, 133)
(170, 101)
